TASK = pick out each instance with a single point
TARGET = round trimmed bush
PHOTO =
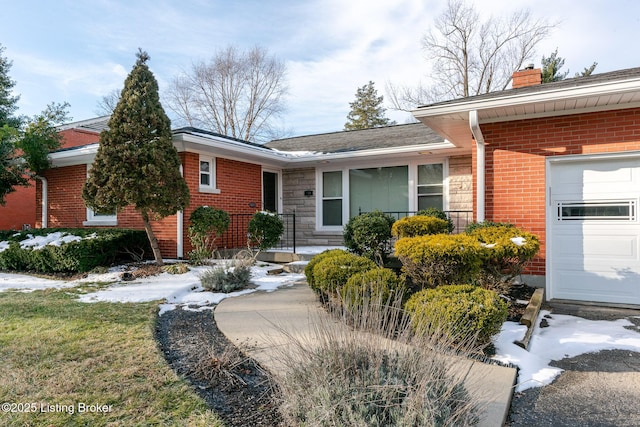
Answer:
(265, 230)
(458, 312)
(334, 271)
(378, 286)
(369, 235)
(437, 213)
(441, 259)
(308, 269)
(412, 226)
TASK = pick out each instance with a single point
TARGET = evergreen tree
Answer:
(8, 103)
(551, 68)
(367, 110)
(136, 163)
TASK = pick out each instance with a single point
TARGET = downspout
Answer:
(45, 200)
(480, 164)
(180, 231)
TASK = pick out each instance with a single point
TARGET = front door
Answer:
(270, 191)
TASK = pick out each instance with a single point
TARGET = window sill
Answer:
(101, 223)
(209, 190)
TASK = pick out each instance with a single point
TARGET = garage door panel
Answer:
(603, 287)
(594, 241)
(596, 246)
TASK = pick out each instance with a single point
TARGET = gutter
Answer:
(480, 163)
(45, 200)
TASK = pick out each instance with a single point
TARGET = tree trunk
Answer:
(152, 238)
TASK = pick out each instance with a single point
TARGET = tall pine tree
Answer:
(136, 163)
(367, 110)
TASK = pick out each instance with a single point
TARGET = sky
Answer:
(77, 52)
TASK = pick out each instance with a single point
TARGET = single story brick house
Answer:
(561, 160)
(324, 179)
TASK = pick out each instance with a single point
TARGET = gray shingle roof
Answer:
(354, 140)
(618, 75)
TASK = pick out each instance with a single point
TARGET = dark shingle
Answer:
(354, 140)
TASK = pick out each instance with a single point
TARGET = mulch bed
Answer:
(234, 386)
(241, 393)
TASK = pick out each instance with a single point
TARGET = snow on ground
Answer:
(565, 337)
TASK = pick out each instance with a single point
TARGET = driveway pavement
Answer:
(596, 389)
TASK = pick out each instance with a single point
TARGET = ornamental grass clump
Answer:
(374, 372)
(506, 250)
(441, 259)
(226, 278)
(457, 312)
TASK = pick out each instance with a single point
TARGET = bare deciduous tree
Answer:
(108, 103)
(470, 56)
(237, 93)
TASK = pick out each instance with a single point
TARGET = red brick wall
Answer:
(515, 161)
(19, 208)
(239, 184)
(76, 137)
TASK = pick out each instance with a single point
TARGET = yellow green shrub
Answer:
(411, 226)
(506, 251)
(308, 269)
(440, 259)
(333, 271)
(378, 286)
(458, 312)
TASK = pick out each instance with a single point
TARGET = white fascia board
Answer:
(75, 156)
(606, 88)
(221, 147)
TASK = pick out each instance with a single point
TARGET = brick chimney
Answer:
(526, 77)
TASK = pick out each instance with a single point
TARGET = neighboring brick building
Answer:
(20, 208)
(561, 160)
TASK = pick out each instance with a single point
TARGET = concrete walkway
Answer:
(256, 321)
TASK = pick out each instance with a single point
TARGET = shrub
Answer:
(506, 251)
(459, 312)
(377, 286)
(226, 278)
(334, 271)
(441, 259)
(437, 213)
(207, 224)
(308, 269)
(178, 268)
(98, 247)
(472, 226)
(411, 226)
(369, 235)
(265, 230)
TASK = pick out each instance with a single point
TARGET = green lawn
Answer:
(58, 357)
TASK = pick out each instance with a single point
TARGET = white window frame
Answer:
(96, 219)
(212, 187)
(412, 165)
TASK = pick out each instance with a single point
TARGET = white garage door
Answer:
(592, 219)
